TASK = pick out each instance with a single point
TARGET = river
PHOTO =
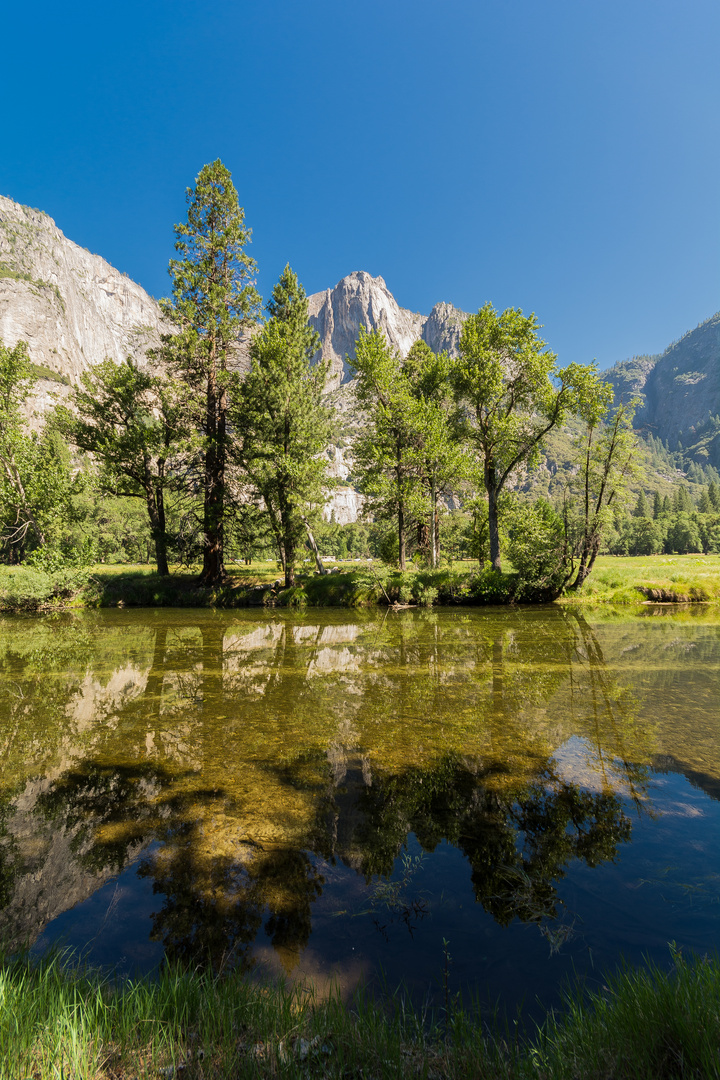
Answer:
(485, 801)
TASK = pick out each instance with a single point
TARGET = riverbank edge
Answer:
(32, 591)
(60, 1020)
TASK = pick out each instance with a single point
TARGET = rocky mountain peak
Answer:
(363, 300)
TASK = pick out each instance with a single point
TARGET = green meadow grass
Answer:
(660, 578)
(614, 580)
(57, 1021)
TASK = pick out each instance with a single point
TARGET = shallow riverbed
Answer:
(478, 800)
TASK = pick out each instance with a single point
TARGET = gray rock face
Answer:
(73, 308)
(680, 392)
(362, 300)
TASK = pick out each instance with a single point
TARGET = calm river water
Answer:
(508, 797)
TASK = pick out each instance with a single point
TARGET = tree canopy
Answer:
(213, 301)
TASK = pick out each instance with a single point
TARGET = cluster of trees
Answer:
(213, 456)
(440, 427)
(190, 439)
(657, 524)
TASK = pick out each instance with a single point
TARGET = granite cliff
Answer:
(73, 308)
(362, 300)
(679, 392)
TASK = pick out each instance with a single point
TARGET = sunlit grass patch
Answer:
(659, 578)
(59, 1021)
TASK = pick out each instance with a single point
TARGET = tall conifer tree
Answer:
(213, 301)
(281, 422)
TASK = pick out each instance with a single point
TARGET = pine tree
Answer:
(439, 458)
(213, 301)
(641, 507)
(386, 453)
(281, 422)
(657, 505)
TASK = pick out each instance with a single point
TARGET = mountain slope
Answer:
(680, 392)
(73, 308)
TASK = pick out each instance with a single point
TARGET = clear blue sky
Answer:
(561, 156)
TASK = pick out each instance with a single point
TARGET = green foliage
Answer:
(511, 395)
(35, 480)
(536, 548)
(407, 456)
(384, 452)
(213, 300)
(281, 423)
(133, 423)
(609, 458)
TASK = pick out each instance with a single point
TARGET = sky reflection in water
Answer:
(331, 795)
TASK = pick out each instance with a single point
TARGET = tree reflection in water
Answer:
(246, 756)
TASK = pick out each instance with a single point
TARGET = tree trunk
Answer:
(213, 572)
(311, 541)
(289, 547)
(433, 525)
(156, 513)
(401, 536)
(493, 525)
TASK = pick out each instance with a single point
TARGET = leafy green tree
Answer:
(684, 535)
(386, 452)
(214, 301)
(35, 479)
(646, 536)
(281, 423)
(511, 394)
(133, 423)
(709, 526)
(609, 459)
(439, 457)
(535, 546)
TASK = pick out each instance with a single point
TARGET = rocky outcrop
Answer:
(73, 308)
(360, 300)
(679, 391)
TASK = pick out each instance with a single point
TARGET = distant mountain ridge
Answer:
(362, 300)
(680, 392)
(74, 309)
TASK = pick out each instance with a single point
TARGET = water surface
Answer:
(355, 797)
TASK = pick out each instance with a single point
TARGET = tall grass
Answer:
(59, 1021)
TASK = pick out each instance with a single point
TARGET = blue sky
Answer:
(561, 157)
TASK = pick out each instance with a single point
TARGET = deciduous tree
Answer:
(35, 481)
(385, 453)
(134, 424)
(511, 394)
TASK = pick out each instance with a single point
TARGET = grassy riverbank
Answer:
(616, 580)
(56, 1022)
